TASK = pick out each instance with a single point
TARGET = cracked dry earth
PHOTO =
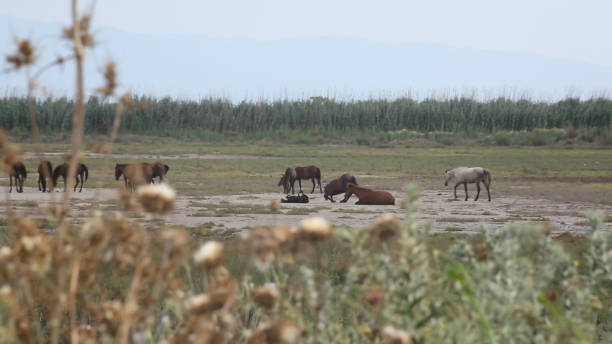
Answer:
(235, 213)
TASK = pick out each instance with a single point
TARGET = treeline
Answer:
(150, 115)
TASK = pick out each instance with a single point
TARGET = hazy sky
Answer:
(572, 29)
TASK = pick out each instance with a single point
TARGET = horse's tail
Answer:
(167, 168)
(23, 171)
(488, 176)
(318, 174)
(86, 171)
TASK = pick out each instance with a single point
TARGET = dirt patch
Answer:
(241, 211)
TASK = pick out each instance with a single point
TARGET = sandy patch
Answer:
(246, 210)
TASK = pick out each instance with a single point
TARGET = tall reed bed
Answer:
(149, 115)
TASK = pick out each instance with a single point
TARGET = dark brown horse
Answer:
(159, 170)
(134, 174)
(368, 196)
(338, 186)
(299, 173)
(18, 171)
(287, 180)
(44, 173)
(62, 170)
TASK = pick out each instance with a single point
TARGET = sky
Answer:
(561, 30)
(570, 29)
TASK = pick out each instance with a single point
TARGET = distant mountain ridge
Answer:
(194, 66)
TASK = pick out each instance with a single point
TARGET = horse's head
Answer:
(447, 177)
(119, 170)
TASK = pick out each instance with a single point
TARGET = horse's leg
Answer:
(319, 181)
(10, 183)
(466, 194)
(82, 180)
(21, 183)
(331, 198)
(77, 183)
(477, 191)
(456, 189)
(300, 182)
(313, 184)
(488, 193)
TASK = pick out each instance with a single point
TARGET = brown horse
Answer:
(18, 171)
(62, 170)
(368, 196)
(159, 170)
(44, 172)
(134, 174)
(338, 186)
(287, 180)
(299, 173)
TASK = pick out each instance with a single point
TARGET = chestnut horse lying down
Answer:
(338, 186)
(368, 196)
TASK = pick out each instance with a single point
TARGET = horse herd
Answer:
(144, 173)
(133, 174)
(347, 184)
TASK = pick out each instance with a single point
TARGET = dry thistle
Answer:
(158, 198)
(266, 296)
(374, 295)
(395, 336)
(87, 38)
(385, 228)
(315, 229)
(24, 55)
(110, 76)
(261, 245)
(481, 252)
(274, 206)
(209, 255)
(282, 332)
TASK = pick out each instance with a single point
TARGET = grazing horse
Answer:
(287, 180)
(338, 186)
(465, 175)
(18, 171)
(134, 174)
(44, 172)
(368, 196)
(159, 170)
(62, 170)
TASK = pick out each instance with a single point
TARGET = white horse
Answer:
(465, 175)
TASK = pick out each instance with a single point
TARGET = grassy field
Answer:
(199, 168)
(357, 282)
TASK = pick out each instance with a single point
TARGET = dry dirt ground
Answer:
(235, 213)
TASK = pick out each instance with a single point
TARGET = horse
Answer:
(17, 171)
(307, 172)
(368, 196)
(82, 173)
(159, 170)
(287, 180)
(134, 174)
(44, 172)
(465, 175)
(338, 186)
